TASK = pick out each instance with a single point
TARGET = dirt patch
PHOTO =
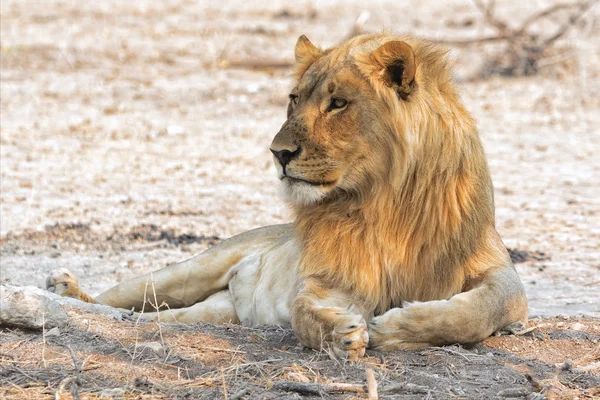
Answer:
(519, 256)
(80, 237)
(211, 361)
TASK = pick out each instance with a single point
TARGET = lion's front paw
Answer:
(398, 329)
(350, 337)
(380, 335)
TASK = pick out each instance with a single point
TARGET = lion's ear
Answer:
(306, 53)
(394, 64)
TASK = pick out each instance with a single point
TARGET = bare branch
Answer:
(549, 11)
(571, 21)
(488, 15)
(318, 389)
(371, 384)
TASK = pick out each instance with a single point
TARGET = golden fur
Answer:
(393, 203)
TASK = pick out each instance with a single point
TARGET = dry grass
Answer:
(206, 361)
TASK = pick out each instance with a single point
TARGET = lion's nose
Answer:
(285, 156)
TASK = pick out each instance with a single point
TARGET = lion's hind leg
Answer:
(217, 309)
(64, 283)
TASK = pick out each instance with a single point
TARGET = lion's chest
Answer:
(380, 274)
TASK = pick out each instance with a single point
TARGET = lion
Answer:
(393, 244)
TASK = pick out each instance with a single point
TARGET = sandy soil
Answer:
(135, 134)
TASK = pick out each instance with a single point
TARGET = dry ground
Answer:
(216, 361)
(135, 134)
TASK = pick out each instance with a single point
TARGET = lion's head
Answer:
(354, 114)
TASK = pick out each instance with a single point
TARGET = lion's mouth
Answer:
(300, 180)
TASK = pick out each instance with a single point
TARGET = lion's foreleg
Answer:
(327, 319)
(464, 318)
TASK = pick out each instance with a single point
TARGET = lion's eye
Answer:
(294, 99)
(337, 103)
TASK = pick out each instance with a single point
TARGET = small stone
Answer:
(253, 88)
(577, 326)
(175, 130)
(53, 332)
(116, 394)
(155, 347)
(490, 354)
(567, 365)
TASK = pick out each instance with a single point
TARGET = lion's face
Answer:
(334, 139)
(326, 136)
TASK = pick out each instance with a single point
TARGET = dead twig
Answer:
(487, 10)
(318, 389)
(25, 374)
(548, 12)
(44, 339)
(224, 385)
(223, 350)
(451, 351)
(256, 65)
(157, 308)
(237, 366)
(524, 331)
(570, 22)
(357, 27)
(525, 48)
(239, 394)
(71, 380)
(371, 384)
(137, 322)
(407, 387)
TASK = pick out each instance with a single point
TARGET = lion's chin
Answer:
(301, 192)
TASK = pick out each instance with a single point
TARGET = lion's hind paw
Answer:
(64, 283)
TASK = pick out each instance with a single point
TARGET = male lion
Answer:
(393, 244)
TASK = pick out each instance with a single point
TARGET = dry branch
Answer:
(318, 389)
(371, 384)
(239, 394)
(524, 47)
(407, 387)
(506, 33)
(465, 356)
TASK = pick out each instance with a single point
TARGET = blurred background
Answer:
(135, 134)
